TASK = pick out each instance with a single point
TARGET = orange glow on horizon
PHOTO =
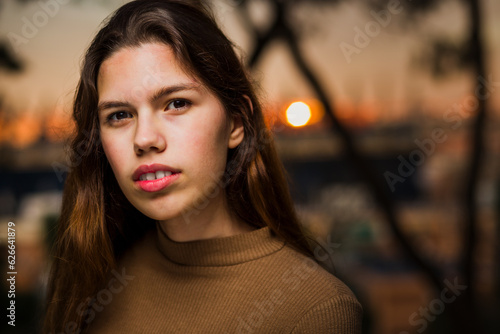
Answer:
(25, 129)
(22, 131)
(59, 127)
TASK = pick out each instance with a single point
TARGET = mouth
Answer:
(156, 177)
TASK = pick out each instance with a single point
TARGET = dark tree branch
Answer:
(262, 40)
(477, 151)
(8, 61)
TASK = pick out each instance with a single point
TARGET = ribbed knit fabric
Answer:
(247, 283)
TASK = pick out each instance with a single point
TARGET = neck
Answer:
(213, 221)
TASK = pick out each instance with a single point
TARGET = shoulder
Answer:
(340, 314)
(317, 301)
(306, 272)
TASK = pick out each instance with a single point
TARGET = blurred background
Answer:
(386, 114)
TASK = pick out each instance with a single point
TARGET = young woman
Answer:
(177, 217)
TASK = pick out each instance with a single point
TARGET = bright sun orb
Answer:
(298, 114)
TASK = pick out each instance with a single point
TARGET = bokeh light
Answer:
(298, 114)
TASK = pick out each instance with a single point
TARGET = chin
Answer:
(161, 209)
(155, 208)
(160, 215)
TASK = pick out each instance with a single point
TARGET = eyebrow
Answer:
(163, 91)
(158, 94)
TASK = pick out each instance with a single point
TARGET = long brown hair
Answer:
(97, 223)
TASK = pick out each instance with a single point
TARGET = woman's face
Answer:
(165, 135)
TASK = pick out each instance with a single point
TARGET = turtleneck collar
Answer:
(223, 251)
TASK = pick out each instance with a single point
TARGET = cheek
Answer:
(114, 154)
(208, 142)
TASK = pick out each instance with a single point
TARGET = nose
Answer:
(148, 135)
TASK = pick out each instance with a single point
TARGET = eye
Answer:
(119, 115)
(178, 104)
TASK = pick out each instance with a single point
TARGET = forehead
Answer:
(133, 71)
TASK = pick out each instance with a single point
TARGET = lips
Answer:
(155, 177)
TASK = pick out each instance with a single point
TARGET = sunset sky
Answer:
(381, 77)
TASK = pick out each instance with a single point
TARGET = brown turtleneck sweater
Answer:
(247, 283)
